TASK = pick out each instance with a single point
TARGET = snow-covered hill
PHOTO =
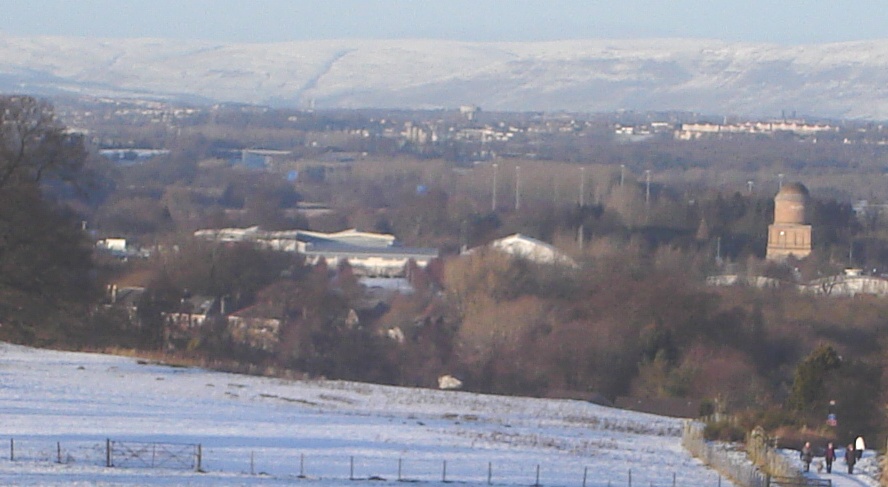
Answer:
(830, 80)
(260, 431)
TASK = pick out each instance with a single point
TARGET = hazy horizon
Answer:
(790, 22)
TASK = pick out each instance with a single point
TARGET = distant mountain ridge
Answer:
(841, 80)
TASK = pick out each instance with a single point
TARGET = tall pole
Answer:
(582, 229)
(493, 195)
(517, 188)
(647, 187)
(582, 186)
(622, 174)
(647, 195)
(554, 191)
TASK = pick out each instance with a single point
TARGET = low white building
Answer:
(369, 254)
(532, 249)
(693, 131)
(112, 244)
(849, 284)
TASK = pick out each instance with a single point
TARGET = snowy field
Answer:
(61, 409)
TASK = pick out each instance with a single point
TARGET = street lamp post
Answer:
(582, 186)
(647, 187)
(517, 188)
(493, 192)
(647, 195)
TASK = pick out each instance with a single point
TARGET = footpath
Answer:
(866, 472)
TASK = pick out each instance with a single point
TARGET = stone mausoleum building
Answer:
(790, 233)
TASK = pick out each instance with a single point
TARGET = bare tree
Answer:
(45, 260)
(33, 143)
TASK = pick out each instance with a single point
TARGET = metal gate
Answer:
(132, 454)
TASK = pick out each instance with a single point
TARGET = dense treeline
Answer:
(627, 323)
(633, 318)
(46, 284)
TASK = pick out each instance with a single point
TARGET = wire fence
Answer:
(108, 453)
(284, 463)
(90, 453)
(745, 468)
(472, 471)
(732, 464)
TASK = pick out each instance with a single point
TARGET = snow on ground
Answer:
(264, 431)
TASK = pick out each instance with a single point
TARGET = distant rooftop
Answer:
(350, 237)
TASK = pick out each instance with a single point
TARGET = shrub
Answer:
(707, 407)
(724, 431)
(773, 418)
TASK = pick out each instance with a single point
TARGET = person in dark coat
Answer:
(850, 457)
(830, 456)
(807, 454)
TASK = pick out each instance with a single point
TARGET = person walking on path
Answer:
(807, 454)
(859, 446)
(829, 456)
(850, 457)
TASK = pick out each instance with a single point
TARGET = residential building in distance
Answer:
(119, 247)
(852, 282)
(257, 328)
(693, 131)
(263, 158)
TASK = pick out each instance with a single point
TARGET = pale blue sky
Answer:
(777, 21)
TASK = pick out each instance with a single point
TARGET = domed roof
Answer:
(789, 204)
(793, 189)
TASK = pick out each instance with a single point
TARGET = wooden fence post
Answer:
(585, 472)
(444, 472)
(12, 449)
(108, 452)
(199, 457)
(537, 483)
(489, 473)
(302, 465)
(399, 469)
(58, 452)
(351, 468)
